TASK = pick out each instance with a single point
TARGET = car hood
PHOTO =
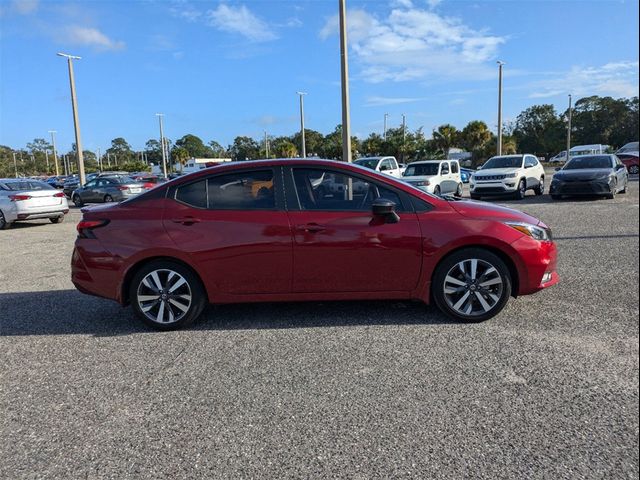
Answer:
(586, 174)
(489, 211)
(418, 178)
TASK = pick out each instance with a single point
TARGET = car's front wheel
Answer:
(77, 201)
(472, 285)
(459, 190)
(522, 190)
(540, 188)
(4, 224)
(167, 295)
(59, 219)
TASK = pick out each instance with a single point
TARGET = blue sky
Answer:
(219, 69)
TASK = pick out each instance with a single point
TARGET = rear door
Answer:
(234, 227)
(340, 247)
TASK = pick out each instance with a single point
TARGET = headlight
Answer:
(511, 175)
(533, 231)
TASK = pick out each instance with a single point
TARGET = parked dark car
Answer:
(107, 189)
(595, 175)
(261, 231)
(465, 174)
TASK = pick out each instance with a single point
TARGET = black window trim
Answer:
(294, 201)
(172, 192)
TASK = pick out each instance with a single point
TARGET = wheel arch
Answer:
(501, 254)
(133, 269)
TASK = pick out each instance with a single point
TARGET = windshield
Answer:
(25, 185)
(425, 169)
(503, 162)
(598, 161)
(629, 147)
(122, 179)
(371, 163)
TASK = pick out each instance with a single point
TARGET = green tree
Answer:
(120, 151)
(244, 148)
(39, 145)
(313, 141)
(474, 138)
(217, 150)
(194, 146)
(332, 145)
(539, 130)
(180, 155)
(445, 137)
(283, 147)
(605, 120)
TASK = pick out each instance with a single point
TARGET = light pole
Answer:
(569, 130)
(55, 154)
(404, 134)
(76, 121)
(500, 64)
(46, 156)
(15, 164)
(164, 155)
(344, 77)
(99, 160)
(266, 144)
(304, 144)
(384, 133)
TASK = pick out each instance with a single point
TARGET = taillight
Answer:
(123, 188)
(85, 227)
(59, 195)
(18, 198)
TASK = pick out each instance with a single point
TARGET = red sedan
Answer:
(291, 230)
(630, 160)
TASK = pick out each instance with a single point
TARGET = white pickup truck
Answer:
(386, 165)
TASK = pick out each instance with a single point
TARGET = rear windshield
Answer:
(25, 185)
(420, 170)
(121, 179)
(598, 161)
(503, 162)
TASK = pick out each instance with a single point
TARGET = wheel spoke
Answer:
(161, 312)
(176, 285)
(463, 299)
(147, 284)
(474, 268)
(182, 307)
(156, 280)
(148, 298)
(455, 281)
(483, 302)
(493, 281)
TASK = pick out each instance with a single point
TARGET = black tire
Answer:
(459, 190)
(198, 296)
(539, 190)
(522, 190)
(59, 219)
(108, 199)
(77, 201)
(475, 197)
(4, 225)
(633, 169)
(436, 190)
(442, 272)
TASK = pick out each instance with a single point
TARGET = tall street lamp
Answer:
(500, 64)
(344, 77)
(304, 145)
(569, 130)
(384, 133)
(55, 154)
(76, 121)
(164, 155)
(15, 164)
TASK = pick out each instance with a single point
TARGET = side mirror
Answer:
(381, 207)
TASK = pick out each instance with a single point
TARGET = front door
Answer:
(340, 247)
(235, 229)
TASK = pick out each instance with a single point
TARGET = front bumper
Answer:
(494, 188)
(539, 264)
(597, 187)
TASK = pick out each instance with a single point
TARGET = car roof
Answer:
(422, 162)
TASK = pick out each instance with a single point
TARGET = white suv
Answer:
(439, 177)
(508, 175)
(387, 165)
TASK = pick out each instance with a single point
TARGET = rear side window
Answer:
(242, 191)
(194, 194)
(445, 169)
(454, 167)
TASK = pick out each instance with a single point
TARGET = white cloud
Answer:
(617, 79)
(91, 37)
(25, 7)
(382, 101)
(413, 43)
(433, 3)
(242, 21)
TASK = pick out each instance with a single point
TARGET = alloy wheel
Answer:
(473, 287)
(164, 296)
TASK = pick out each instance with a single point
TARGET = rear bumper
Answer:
(36, 215)
(95, 271)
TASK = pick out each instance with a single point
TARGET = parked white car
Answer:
(25, 199)
(595, 149)
(386, 165)
(440, 177)
(508, 175)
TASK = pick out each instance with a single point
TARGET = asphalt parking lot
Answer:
(548, 389)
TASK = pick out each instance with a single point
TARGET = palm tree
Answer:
(445, 137)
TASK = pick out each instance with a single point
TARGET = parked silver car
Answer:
(107, 189)
(24, 199)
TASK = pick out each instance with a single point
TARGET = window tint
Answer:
(530, 162)
(445, 169)
(386, 165)
(326, 190)
(91, 184)
(194, 194)
(242, 191)
(454, 167)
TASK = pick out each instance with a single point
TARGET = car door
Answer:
(455, 176)
(445, 178)
(532, 174)
(621, 172)
(340, 247)
(87, 192)
(234, 227)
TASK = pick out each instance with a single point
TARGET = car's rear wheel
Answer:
(540, 188)
(167, 295)
(4, 225)
(472, 285)
(77, 201)
(633, 169)
(108, 199)
(59, 219)
(522, 190)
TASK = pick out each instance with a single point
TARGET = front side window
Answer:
(242, 191)
(445, 169)
(323, 190)
(193, 194)
(454, 167)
